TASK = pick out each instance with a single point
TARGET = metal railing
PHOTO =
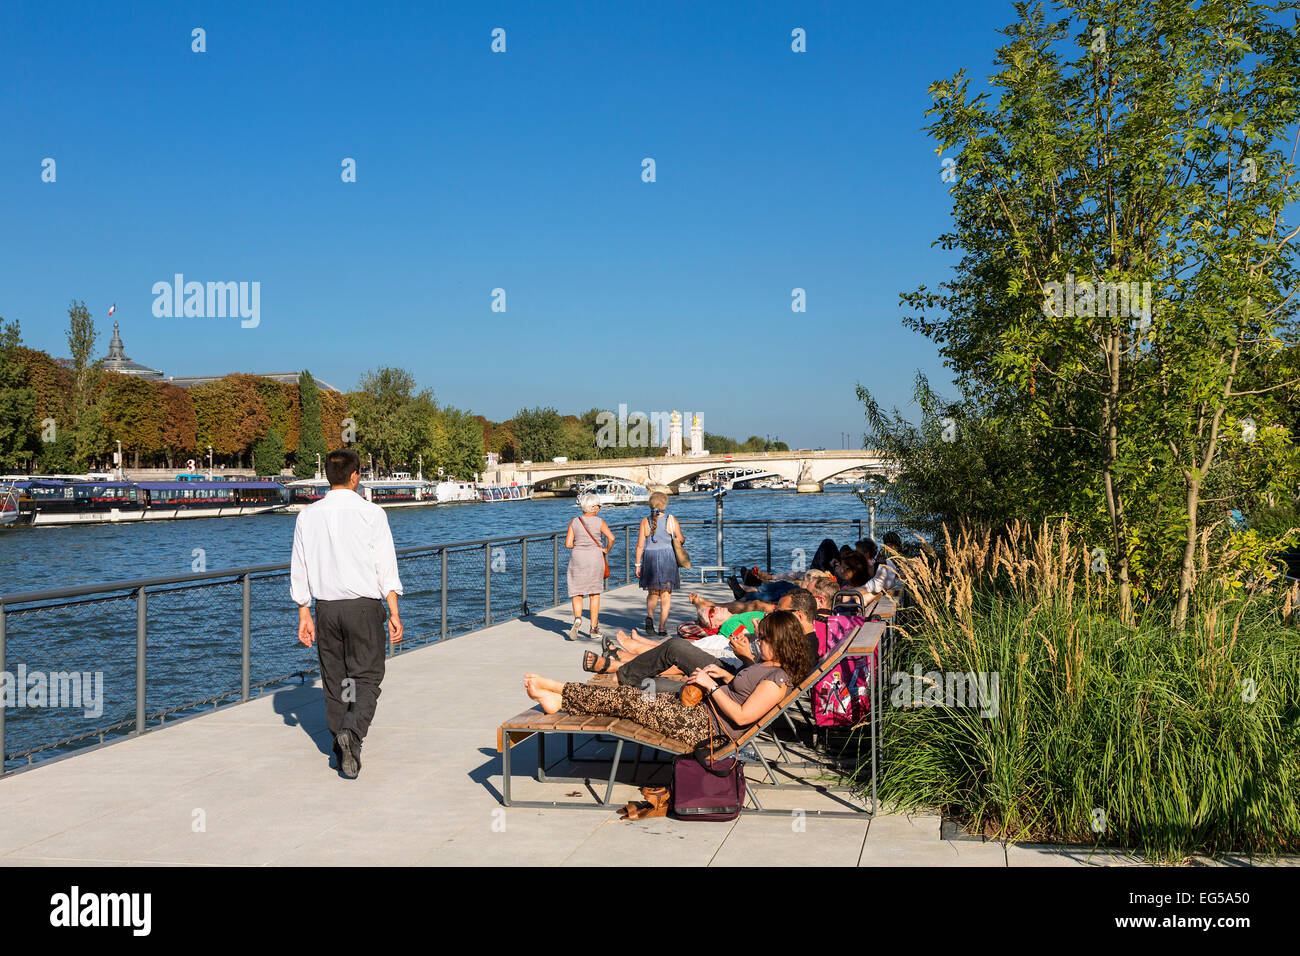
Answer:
(191, 642)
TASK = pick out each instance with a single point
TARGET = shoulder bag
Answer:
(706, 788)
(683, 559)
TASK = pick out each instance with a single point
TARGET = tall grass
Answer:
(1165, 741)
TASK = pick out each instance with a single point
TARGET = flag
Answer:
(112, 308)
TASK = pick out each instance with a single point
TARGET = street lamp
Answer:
(119, 461)
(209, 463)
(317, 464)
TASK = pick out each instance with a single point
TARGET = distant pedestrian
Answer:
(656, 561)
(587, 561)
(343, 557)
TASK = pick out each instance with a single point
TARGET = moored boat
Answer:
(510, 492)
(450, 492)
(61, 501)
(616, 491)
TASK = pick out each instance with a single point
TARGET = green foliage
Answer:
(1161, 157)
(538, 433)
(268, 453)
(312, 438)
(88, 434)
(960, 464)
(19, 426)
(405, 429)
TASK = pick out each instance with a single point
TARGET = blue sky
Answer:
(477, 171)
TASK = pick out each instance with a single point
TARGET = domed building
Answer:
(117, 361)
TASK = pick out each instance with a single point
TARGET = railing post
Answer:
(523, 588)
(246, 639)
(768, 528)
(858, 522)
(141, 627)
(555, 570)
(3, 670)
(443, 590)
(487, 584)
(627, 555)
(871, 514)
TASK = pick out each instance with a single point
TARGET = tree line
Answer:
(67, 417)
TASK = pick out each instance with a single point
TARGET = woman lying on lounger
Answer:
(740, 700)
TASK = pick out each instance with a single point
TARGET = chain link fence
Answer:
(84, 665)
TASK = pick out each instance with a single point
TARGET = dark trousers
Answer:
(350, 639)
(674, 652)
(825, 554)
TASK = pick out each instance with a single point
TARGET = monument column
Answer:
(697, 437)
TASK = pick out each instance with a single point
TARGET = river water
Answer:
(33, 559)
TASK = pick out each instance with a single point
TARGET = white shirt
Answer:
(342, 549)
(886, 579)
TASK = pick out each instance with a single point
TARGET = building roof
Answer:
(117, 361)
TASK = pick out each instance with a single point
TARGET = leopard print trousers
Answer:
(663, 713)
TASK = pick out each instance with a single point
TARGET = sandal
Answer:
(655, 805)
(590, 659)
(609, 645)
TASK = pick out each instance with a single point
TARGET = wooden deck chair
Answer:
(534, 722)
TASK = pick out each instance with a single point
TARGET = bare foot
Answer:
(550, 700)
(695, 598)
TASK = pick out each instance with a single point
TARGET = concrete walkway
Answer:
(252, 785)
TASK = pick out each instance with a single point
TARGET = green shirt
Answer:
(748, 621)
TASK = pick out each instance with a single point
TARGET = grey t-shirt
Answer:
(744, 684)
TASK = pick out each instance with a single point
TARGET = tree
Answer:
(393, 422)
(87, 373)
(960, 464)
(538, 432)
(229, 415)
(1148, 169)
(180, 430)
(268, 454)
(18, 421)
(131, 411)
(311, 441)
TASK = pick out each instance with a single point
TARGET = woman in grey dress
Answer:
(587, 561)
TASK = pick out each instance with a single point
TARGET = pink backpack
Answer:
(843, 697)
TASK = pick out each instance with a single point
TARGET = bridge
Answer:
(809, 470)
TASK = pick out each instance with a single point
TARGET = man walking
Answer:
(343, 557)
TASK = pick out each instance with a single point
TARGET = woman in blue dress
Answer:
(656, 562)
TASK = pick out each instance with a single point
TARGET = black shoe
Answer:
(349, 754)
(649, 625)
(338, 755)
(736, 589)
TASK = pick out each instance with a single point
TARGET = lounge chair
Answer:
(533, 722)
